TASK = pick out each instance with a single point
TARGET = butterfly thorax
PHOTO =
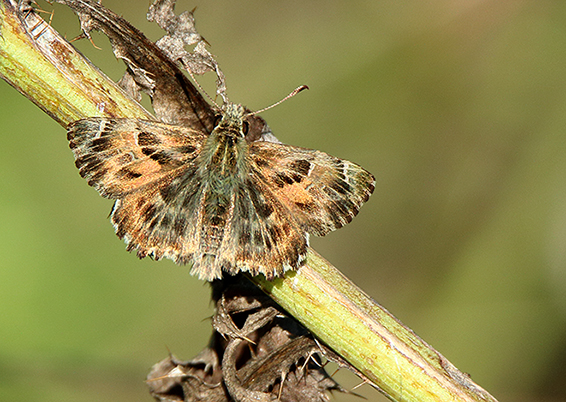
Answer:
(225, 152)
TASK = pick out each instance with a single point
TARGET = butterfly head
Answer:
(233, 120)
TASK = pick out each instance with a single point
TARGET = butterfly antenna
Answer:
(295, 92)
(201, 88)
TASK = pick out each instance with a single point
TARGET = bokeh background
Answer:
(457, 107)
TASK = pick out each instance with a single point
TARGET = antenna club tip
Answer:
(295, 92)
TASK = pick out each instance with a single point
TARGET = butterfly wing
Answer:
(322, 192)
(163, 219)
(118, 156)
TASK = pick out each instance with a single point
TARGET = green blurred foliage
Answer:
(457, 107)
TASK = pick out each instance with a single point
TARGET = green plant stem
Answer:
(385, 352)
(40, 64)
(44, 67)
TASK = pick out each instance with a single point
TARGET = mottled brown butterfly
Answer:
(215, 200)
(203, 186)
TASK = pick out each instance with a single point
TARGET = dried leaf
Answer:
(258, 353)
(174, 98)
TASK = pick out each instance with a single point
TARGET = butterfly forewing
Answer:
(117, 156)
(321, 191)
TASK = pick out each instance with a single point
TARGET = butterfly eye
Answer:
(246, 127)
(217, 119)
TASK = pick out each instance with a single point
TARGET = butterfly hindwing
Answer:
(262, 237)
(163, 219)
(254, 234)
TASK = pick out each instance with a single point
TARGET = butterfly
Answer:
(216, 200)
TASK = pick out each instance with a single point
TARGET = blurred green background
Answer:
(457, 107)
